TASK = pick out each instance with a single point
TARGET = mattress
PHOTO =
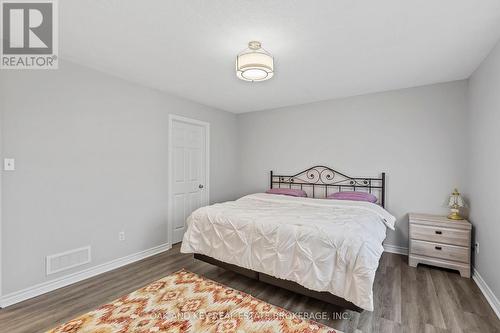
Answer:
(324, 245)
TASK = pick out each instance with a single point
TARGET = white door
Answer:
(188, 171)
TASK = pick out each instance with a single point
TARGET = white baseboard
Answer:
(64, 281)
(487, 292)
(396, 249)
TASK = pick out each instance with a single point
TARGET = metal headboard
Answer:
(324, 181)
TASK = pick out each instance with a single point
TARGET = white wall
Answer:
(484, 166)
(415, 135)
(91, 160)
(1, 168)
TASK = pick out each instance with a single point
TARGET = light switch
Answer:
(9, 164)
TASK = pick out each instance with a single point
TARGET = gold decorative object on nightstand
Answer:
(455, 202)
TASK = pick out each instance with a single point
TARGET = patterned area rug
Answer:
(186, 302)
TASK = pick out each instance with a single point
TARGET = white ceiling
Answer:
(323, 49)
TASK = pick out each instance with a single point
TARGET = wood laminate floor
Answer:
(407, 299)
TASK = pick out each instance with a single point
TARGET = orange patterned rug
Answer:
(186, 302)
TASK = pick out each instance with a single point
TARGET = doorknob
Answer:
(200, 186)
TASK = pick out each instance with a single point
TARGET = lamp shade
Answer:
(456, 200)
(254, 63)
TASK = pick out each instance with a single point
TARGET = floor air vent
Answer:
(65, 260)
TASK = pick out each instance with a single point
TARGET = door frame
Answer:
(206, 125)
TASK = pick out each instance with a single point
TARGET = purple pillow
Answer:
(287, 191)
(355, 196)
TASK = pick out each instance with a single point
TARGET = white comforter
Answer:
(324, 245)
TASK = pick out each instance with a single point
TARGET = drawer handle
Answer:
(438, 232)
(438, 248)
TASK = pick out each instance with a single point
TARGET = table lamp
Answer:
(455, 202)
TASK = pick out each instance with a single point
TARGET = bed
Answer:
(322, 248)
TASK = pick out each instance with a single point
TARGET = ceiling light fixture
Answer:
(254, 63)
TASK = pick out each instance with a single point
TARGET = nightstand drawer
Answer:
(440, 235)
(442, 251)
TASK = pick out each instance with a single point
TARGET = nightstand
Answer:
(436, 240)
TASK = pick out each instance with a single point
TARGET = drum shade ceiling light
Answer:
(254, 63)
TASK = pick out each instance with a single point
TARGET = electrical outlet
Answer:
(9, 164)
(476, 247)
(121, 236)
